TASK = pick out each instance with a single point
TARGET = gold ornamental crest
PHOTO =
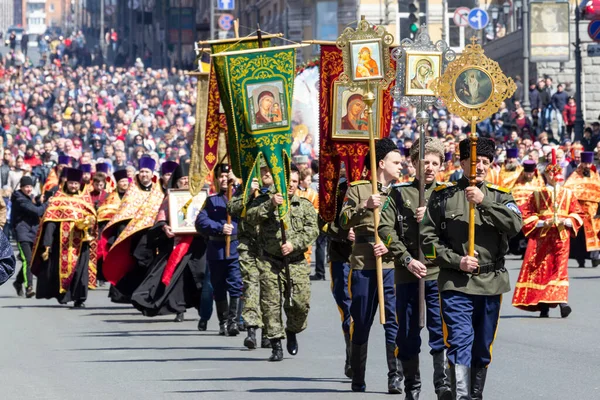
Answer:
(473, 86)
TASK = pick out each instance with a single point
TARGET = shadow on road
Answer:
(199, 391)
(66, 306)
(262, 379)
(156, 348)
(158, 360)
(584, 277)
(299, 390)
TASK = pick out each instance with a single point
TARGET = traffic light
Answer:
(413, 16)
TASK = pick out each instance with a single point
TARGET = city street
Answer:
(110, 351)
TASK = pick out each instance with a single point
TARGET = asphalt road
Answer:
(109, 351)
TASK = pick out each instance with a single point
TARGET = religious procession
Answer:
(416, 232)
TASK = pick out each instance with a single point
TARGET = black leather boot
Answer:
(222, 310)
(179, 317)
(264, 342)
(441, 382)
(291, 343)
(394, 371)
(460, 378)
(412, 378)
(358, 362)
(250, 341)
(347, 366)
(477, 383)
(544, 310)
(565, 310)
(277, 352)
(232, 323)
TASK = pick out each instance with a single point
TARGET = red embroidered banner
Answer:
(332, 152)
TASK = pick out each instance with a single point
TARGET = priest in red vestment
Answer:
(550, 217)
(585, 184)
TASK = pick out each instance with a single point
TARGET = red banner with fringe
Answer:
(332, 152)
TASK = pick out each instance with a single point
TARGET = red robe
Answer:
(544, 273)
(587, 191)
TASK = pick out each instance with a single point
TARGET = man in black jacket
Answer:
(26, 216)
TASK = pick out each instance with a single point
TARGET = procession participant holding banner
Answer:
(358, 214)
(303, 230)
(470, 287)
(472, 273)
(224, 269)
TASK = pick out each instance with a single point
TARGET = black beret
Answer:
(485, 148)
(382, 148)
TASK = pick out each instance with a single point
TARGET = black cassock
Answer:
(153, 297)
(143, 251)
(48, 282)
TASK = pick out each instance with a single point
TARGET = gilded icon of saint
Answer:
(354, 119)
(265, 105)
(367, 66)
(423, 74)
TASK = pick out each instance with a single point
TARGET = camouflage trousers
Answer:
(249, 267)
(273, 283)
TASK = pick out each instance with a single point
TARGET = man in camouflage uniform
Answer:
(358, 213)
(302, 231)
(470, 287)
(399, 230)
(248, 256)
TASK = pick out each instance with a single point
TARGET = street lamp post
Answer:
(525, 25)
(494, 11)
(506, 12)
(519, 9)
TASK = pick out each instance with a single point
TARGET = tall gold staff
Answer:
(472, 182)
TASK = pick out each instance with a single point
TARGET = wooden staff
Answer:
(369, 99)
(422, 119)
(473, 182)
(228, 237)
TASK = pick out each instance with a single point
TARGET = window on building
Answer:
(326, 25)
(51, 8)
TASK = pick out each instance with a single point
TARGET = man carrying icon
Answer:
(471, 287)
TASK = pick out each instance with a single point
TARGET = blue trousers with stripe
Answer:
(407, 309)
(363, 308)
(225, 277)
(471, 322)
(339, 288)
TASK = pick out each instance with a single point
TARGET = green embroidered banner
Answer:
(256, 91)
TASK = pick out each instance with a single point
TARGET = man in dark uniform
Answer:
(339, 250)
(357, 213)
(26, 214)
(470, 287)
(225, 273)
(399, 230)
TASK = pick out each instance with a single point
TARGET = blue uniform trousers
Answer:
(225, 277)
(470, 324)
(364, 304)
(339, 288)
(407, 309)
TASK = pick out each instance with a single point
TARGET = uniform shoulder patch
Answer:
(498, 188)
(401, 184)
(361, 182)
(444, 185)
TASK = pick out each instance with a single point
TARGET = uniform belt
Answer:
(290, 259)
(491, 267)
(222, 238)
(339, 240)
(364, 239)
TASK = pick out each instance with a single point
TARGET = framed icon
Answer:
(350, 120)
(366, 59)
(266, 105)
(183, 210)
(473, 87)
(422, 68)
